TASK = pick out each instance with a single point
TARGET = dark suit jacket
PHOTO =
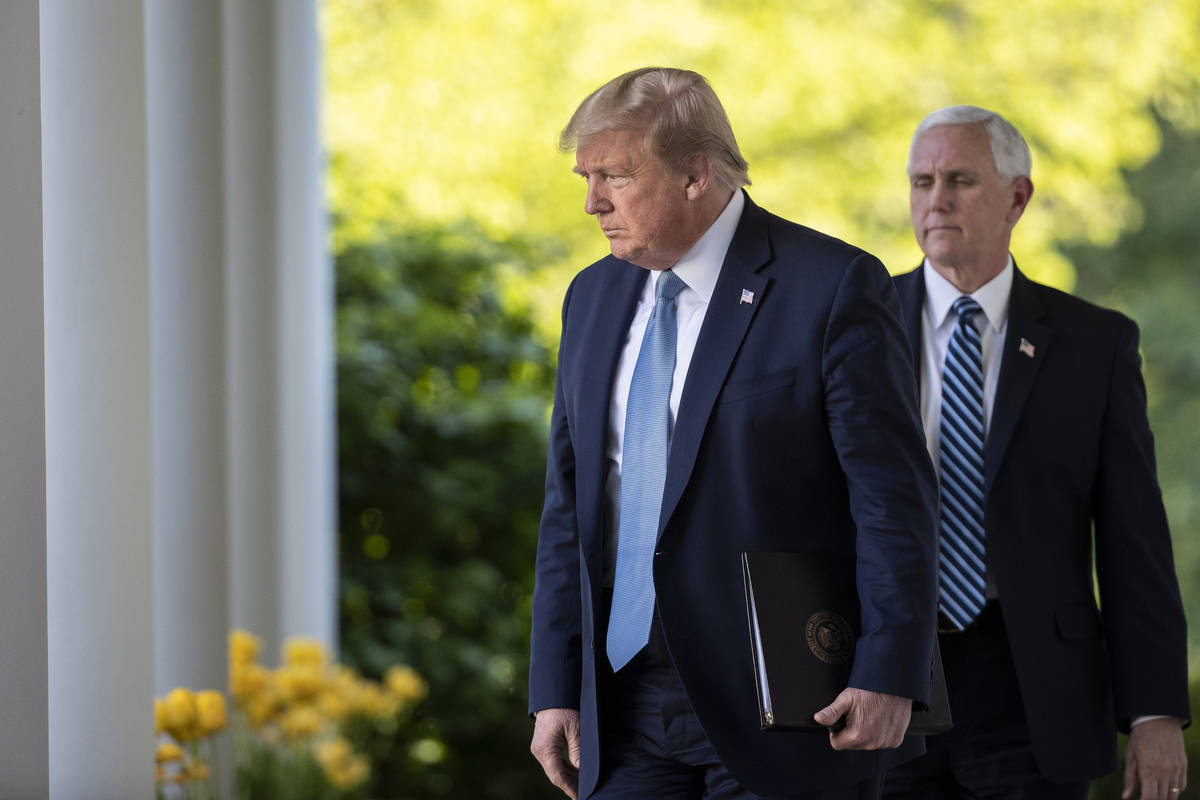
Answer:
(798, 430)
(1069, 451)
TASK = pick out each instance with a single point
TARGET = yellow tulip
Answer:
(262, 708)
(333, 703)
(210, 712)
(244, 647)
(405, 683)
(179, 717)
(332, 752)
(301, 722)
(246, 681)
(196, 771)
(167, 751)
(299, 683)
(301, 651)
(349, 773)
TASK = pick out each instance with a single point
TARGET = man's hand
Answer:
(874, 720)
(1155, 761)
(556, 747)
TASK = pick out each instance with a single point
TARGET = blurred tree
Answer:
(442, 399)
(439, 111)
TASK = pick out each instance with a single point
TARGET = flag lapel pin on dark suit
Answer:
(1026, 347)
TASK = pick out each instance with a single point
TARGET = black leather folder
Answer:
(804, 619)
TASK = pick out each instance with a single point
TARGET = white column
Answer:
(279, 327)
(24, 764)
(97, 328)
(187, 344)
(306, 379)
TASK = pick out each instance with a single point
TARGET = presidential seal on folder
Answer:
(804, 620)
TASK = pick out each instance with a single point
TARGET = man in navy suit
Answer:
(727, 381)
(1039, 677)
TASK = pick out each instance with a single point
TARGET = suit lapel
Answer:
(1025, 346)
(911, 288)
(725, 324)
(599, 354)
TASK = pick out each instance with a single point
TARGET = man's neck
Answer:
(967, 278)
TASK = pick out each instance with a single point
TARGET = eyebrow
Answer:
(949, 173)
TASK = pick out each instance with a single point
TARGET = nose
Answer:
(597, 201)
(941, 198)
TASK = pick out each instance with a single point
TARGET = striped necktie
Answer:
(643, 476)
(961, 558)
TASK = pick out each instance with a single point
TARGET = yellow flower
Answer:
(301, 651)
(246, 681)
(196, 771)
(262, 708)
(333, 703)
(301, 722)
(179, 717)
(244, 647)
(299, 683)
(210, 712)
(167, 751)
(369, 698)
(344, 769)
(333, 751)
(405, 683)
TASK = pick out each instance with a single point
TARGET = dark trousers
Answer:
(653, 745)
(987, 755)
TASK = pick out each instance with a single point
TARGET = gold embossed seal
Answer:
(830, 637)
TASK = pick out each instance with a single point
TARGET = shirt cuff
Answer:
(1146, 718)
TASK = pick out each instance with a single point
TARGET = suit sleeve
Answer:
(872, 408)
(555, 639)
(1139, 594)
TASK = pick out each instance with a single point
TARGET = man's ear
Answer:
(698, 174)
(1022, 191)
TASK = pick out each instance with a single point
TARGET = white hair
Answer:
(1009, 150)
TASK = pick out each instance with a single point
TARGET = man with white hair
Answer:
(1035, 412)
(728, 381)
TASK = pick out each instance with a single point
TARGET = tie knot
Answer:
(966, 308)
(670, 285)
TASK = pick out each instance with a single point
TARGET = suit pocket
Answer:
(740, 390)
(1077, 621)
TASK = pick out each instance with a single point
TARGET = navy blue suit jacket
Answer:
(798, 430)
(1069, 451)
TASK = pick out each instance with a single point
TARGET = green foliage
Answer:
(443, 111)
(1152, 274)
(443, 392)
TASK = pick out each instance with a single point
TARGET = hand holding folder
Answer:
(803, 613)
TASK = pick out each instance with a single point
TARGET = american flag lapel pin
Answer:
(748, 297)
(1026, 347)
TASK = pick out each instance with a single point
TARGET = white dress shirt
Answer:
(698, 269)
(937, 325)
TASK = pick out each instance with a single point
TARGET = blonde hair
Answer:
(676, 110)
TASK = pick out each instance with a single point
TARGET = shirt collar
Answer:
(701, 265)
(992, 297)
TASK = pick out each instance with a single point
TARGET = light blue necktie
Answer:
(643, 475)
(961, 558)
